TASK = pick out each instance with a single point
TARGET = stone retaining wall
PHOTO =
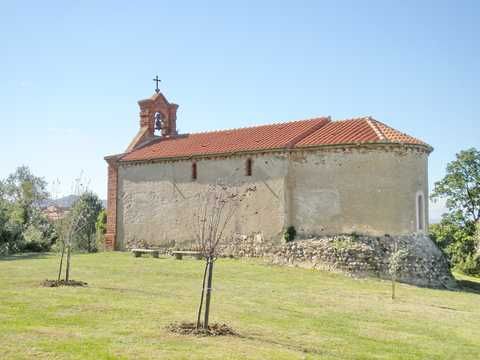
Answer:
(355, 255)
(360, 256)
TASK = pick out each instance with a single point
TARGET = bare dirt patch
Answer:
(57, 283)
(215, 329)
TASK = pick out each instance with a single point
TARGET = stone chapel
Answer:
(323, 177)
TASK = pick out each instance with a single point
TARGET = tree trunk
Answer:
(67, 270)
(209, 292)
(61, 261)
(393, 287)
(203, 295)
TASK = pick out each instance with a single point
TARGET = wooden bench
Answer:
(139, 252)
(180, 253)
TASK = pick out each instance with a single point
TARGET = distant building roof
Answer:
(54, 212)
(296, 134)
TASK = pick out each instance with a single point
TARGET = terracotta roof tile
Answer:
(355, 131)
(266, 137)
(396, 136)
(341, 132)
(299, 134)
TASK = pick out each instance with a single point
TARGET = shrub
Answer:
(35, 240)
(355, 236)
(455, 239)
(470, 266)
(290, 234)
(38, 235)
(100, 230)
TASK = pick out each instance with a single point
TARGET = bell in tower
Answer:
(157, 113)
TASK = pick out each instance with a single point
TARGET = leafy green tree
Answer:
(461, 186)
(25, 190)
(456, 233)
(22, 226)
(87, 207)
(454, 238)
(101, 224)
(476, 238)
(4, 233)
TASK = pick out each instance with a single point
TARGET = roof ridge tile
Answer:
(375, 128)
(307, 132)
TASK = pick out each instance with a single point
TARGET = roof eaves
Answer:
(421, 142)
(426, 147)
(114, 158)
(204, 155)
(119, 157)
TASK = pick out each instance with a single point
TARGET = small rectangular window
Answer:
(420, 213)
(194, 171)
(248, 167)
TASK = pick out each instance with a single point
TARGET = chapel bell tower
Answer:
(158, 119)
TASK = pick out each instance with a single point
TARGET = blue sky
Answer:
(71, 72)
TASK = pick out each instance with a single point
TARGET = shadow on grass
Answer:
(134, 291)
(24, 256)
(469, 286)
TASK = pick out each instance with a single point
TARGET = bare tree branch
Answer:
(210, 221)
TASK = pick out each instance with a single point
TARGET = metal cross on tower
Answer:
(157, 80)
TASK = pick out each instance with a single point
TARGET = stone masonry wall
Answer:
(361, 256)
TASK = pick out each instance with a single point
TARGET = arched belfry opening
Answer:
(158, 119)
(158, 116)
(160, 124)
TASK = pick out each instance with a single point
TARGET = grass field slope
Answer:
(279, 312)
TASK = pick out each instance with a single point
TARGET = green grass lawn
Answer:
(279, 312)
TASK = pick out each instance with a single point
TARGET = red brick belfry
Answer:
(151, 109)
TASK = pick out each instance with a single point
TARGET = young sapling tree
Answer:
(210, 221)
(396, 264)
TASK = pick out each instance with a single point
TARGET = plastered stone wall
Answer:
(368, 190)
(156, 201)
